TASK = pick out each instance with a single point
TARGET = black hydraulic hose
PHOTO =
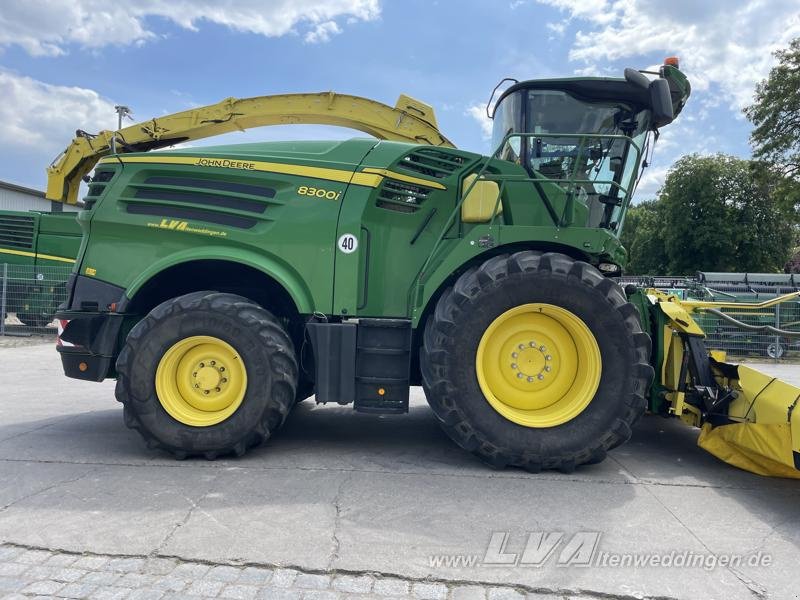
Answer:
(737, 323)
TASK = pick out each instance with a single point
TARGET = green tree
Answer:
(793, 264)
(722, 213)
(776, 114)
(642, 236)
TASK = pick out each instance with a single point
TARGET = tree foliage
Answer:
(714, 213)
(721, 213)
(643, 237)
(776, 114)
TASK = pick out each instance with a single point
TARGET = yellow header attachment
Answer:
(409, 121)
(749, 419)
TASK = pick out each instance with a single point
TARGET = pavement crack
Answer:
(54, 422)
(540, 477)
(46, 489)
(337, 506)
(557, 593)
(193, 506)
(755, 588)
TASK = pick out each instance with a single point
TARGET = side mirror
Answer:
(636, 78)
(660, 96)
(661, 103)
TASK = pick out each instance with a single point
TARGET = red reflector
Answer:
(62, 325)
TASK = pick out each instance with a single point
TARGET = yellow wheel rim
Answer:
(201, 381)
(538, 365)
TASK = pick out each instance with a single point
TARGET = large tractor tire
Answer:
(207, 374)
(305, 390)
(536, 361)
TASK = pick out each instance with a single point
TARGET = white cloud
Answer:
(478, 112)
(557, 28)
(651, 182)
(727, 43)
(40, 117)
(48, 27)
(725, 47)
(322, 32)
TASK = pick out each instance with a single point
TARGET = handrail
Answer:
(481, 174)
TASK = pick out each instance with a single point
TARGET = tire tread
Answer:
(451, 309)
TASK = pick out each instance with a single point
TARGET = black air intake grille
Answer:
(16, 232)
(401, 197)
(97, 186)
(432, 163)
(213, 184)
(239, 204)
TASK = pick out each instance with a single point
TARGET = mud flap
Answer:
(765, 435)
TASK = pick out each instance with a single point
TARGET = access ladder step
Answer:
(383, 361)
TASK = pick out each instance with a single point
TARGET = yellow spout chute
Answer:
(408, 121)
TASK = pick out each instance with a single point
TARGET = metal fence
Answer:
(755, 341)
(661, 282)
(29, 296)
(739, 331)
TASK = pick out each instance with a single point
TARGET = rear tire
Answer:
(775, 350)
(466, 313)
(262, 371)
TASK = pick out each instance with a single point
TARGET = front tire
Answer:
(537, 361)
(207, 374)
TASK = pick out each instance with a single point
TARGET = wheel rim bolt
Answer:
(548, 368)
(548, 357)
(522, 346)
(532, 344)
(224, 380)
(530, 379)
(520, 375)
(513, 365)
(540, 376)
(202, 365)
(542, 348)
(221, 369)
(514, 355)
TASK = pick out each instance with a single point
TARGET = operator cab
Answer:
(589, 136)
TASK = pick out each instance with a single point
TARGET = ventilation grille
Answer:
(432, 162)
(16, 232)
(208, 200)
(97, 186)
(401, 197)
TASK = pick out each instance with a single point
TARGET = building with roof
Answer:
(18, 197)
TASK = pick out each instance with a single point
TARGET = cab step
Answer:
(383, 358)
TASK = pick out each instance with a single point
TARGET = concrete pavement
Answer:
(389, 496)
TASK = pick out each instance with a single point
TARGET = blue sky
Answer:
(63, 65)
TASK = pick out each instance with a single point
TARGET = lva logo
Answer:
(173, 224)
(575, 551)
